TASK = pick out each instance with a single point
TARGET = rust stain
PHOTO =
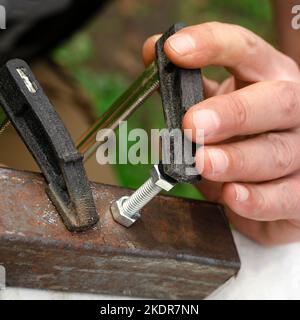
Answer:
(177, 244)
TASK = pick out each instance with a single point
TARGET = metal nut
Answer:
(160, 180)
(120, 216)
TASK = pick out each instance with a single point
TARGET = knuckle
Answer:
(249, 38)
(281, 151)
(237, 159)
(213, 39)
(286, 200)
(258, 206)
(213, 26)
(288, 97)
(238, 107)
(249, 44)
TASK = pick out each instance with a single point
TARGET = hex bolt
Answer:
(141, 197)
(126, 210)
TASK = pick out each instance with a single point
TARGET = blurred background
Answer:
(94, 66)
(105, 56)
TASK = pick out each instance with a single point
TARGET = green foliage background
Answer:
(105, 85)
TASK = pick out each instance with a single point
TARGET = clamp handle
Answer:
(180, 89)
(44, 134)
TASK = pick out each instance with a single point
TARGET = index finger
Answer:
(246, 55)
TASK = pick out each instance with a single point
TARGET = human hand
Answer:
(251, 127)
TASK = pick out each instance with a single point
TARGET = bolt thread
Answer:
(4, 127)
(141, 197)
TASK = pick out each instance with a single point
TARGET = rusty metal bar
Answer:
(179, 249)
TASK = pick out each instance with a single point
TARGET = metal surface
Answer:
(43, 132)
(160, 179)
(178, 249)
(141, 197)
(121, 109)
(126, 210)
(120, 215)
(180, 89)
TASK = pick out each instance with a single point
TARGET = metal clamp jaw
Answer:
(180, 89)
(44, 134)
(41, 129)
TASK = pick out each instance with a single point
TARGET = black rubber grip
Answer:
(180, 89)
(45, 135)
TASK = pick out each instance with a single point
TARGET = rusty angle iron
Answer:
(45, 135)
(180, 249)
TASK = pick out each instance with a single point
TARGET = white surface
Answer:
(266, 273)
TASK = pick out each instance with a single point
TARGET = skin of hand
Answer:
(251, 125)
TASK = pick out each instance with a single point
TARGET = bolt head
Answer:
(120, 216)
(160, 180)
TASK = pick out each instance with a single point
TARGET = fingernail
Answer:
(218, 159)
(241, 192)
(206, 119)
(182, 44)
